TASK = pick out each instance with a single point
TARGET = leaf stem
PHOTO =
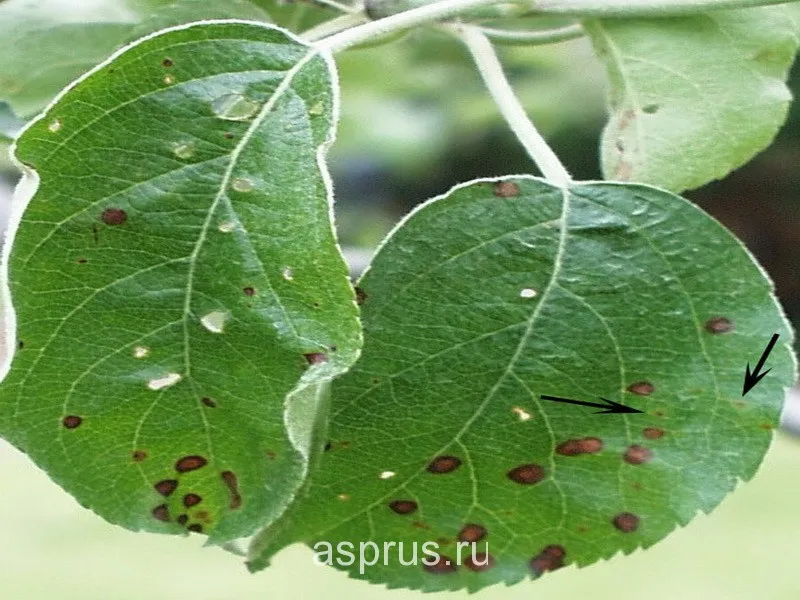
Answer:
(404, 20)
(334, 26)
(492, 73)
(642, 8)
(533, 38)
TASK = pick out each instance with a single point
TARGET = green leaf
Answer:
(503, 291)
(693, 98)
(173, 277)
(45, 44)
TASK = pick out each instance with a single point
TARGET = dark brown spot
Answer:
(719, 325)
(230, 479)
(481, 561)
(161, 512)
(505, 189)
(443, 464)
(114, 216)
(549, 559)
(526, 474)
(443, 541)
(166, 487)
(182, 520)
(659, 413)
(316, 358)
(138, 455)
(653, 433)
(195, 527)
(248, 291)
(403, 507)
(72, 421)
(82, 261)
(328, 446)
(228, 135)
(20, 345)
(208, 402)
(361, 296)
(471, 533)
(167, 62)
(620, 145)
(626, 522)
(582, 446)
(190, 463)
(441, 565)
(271, 455)
(190, 500)
(651, 109)
(636, 455)
(641, 388)
(766, 426)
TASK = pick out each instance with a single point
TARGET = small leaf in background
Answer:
(10, 124)
(176, 276)
(45, 44)
(504, 291)
(693, 98)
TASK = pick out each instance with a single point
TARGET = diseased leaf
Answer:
(45, 44)
(176, 276)
(503, 291)
(693, 98)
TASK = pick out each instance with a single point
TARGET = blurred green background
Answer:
(416, 121)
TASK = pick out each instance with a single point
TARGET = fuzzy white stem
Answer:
(492, 73)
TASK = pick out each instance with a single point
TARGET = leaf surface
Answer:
(501, 292)
(692, 98)
(176, 276)
(46, 44)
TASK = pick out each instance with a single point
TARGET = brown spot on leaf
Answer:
(653, 433)
(403, 507)
(328, 446)
(82, 261)
(113, 216)
(641, 388)
(208, 402)
(72, 421)
(636, 455)
(166, 487)
(471, 533)
(766, 426)
(549, 559)
(182, 520)
(651, 109)
(583, 446)
(248, 291)
(441, 565)
(420, 525)
(719, 325)
(481, 561)
(526, 474)
(195, 528)
(20, 345)
(443, 464)
(190, 463)
(190, 500)
(505, 189)
(626, 522)
(228, 135)
(316, 358)
(167, 62)
(230, 479)
(361, 296)
(138, 455)
(204, 516)
(161, 512)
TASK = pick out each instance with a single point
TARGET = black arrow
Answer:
(610, 406)
(751, 379)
